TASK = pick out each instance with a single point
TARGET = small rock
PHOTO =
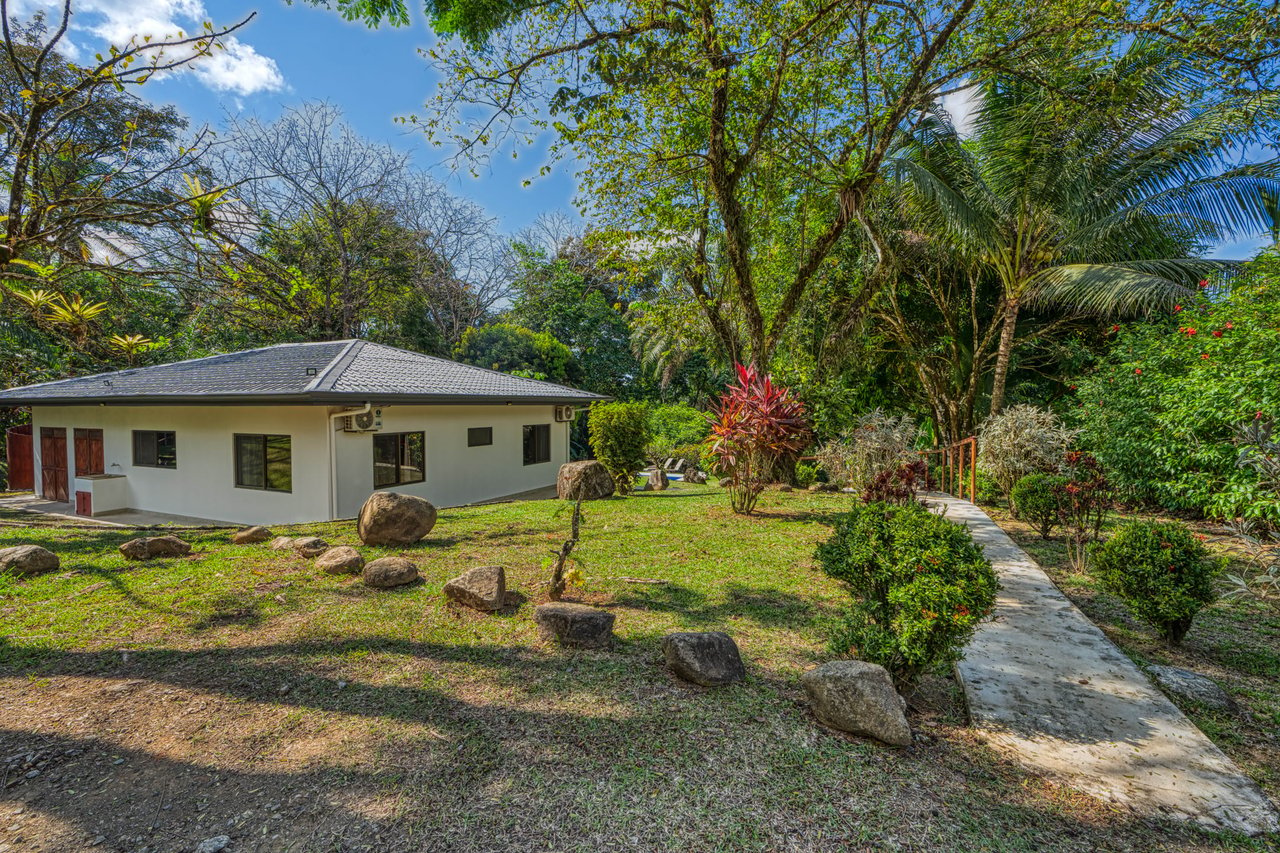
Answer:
(698, 478)
(710, 658)
(785, 488)
(1185, 684)
(214, 845)
(251, 535)
(310, 546)
(726, 482)
(390, 518)
(386, 572)
(484, 588)
(25, 560)
(587, 480)
(151, 547)
(281, 543)
(574, 624)
(343, 560)
(857, 696)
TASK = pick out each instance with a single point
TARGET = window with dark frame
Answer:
(537, 443)
(264, 462)
(479, 436)
(155, 448)
(399, 458)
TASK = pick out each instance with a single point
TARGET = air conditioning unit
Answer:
(564, 414)
(370, 421)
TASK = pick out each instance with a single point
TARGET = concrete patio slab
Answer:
(65, 513)
(1047, 687)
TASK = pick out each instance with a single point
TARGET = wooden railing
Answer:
(959, 467)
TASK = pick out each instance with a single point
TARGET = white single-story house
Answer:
(294, 432)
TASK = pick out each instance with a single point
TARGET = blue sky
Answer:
(294, 53)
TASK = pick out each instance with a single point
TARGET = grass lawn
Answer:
(241, 692)
(1235, 642)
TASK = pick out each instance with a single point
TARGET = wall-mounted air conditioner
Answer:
(370, 421)
(564, 414)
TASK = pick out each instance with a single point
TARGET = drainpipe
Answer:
(333, 454)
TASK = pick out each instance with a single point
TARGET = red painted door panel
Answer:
(53, 463)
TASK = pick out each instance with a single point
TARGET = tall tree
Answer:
(744, 139)
(86, 163)
(1090, 193)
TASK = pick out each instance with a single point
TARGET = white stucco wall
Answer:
(203, 484)
(455, 474)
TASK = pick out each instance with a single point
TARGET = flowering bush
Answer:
(1039, 498)
(1161, 570)
(877, 443)
(1019, 441)
(920, 586)
(756, 425)
(1161, 410)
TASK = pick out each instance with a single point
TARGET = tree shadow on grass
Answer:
(766, 606)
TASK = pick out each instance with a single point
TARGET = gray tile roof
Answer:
(319, 373)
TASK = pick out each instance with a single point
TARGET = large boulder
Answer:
(708, 658)
(343, 560)
(24, 560)
(389, 518)
(251, 535)
(1188, 685)
(574, 624)
(386, 572)
(658, 479)
(281, 543)
(152, 547)
(698, 478)
(484, 588)
(857, 696)
(587, 481)
(310, 546)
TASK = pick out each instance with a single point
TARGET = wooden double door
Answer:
(55, 482)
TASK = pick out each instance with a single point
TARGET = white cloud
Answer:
(237, 68)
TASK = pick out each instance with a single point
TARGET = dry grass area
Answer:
(1235, 642)
(240, 692)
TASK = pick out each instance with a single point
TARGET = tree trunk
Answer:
(1002, 355)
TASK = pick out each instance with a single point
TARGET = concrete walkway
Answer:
(1051, 690)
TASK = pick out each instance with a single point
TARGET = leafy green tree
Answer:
(1091, 192)
(572, 297)
(515, 349)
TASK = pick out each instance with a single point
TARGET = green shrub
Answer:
(806, 474)
(1161, 570)
(678, 425)
(920, 585)
(619, 434)
(988, 489)
(1038, 499)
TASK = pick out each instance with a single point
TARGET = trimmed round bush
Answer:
(1161, 570)
(920, 586)
(1037, 500)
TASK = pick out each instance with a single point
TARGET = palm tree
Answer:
(1091, 193)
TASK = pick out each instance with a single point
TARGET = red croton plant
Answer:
(756, 424)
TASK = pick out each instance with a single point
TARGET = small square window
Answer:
(537, 444)
(155, 449)
(399, 458)
(479, 436)
(264, 462)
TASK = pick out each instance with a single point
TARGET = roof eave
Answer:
(313, 399)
